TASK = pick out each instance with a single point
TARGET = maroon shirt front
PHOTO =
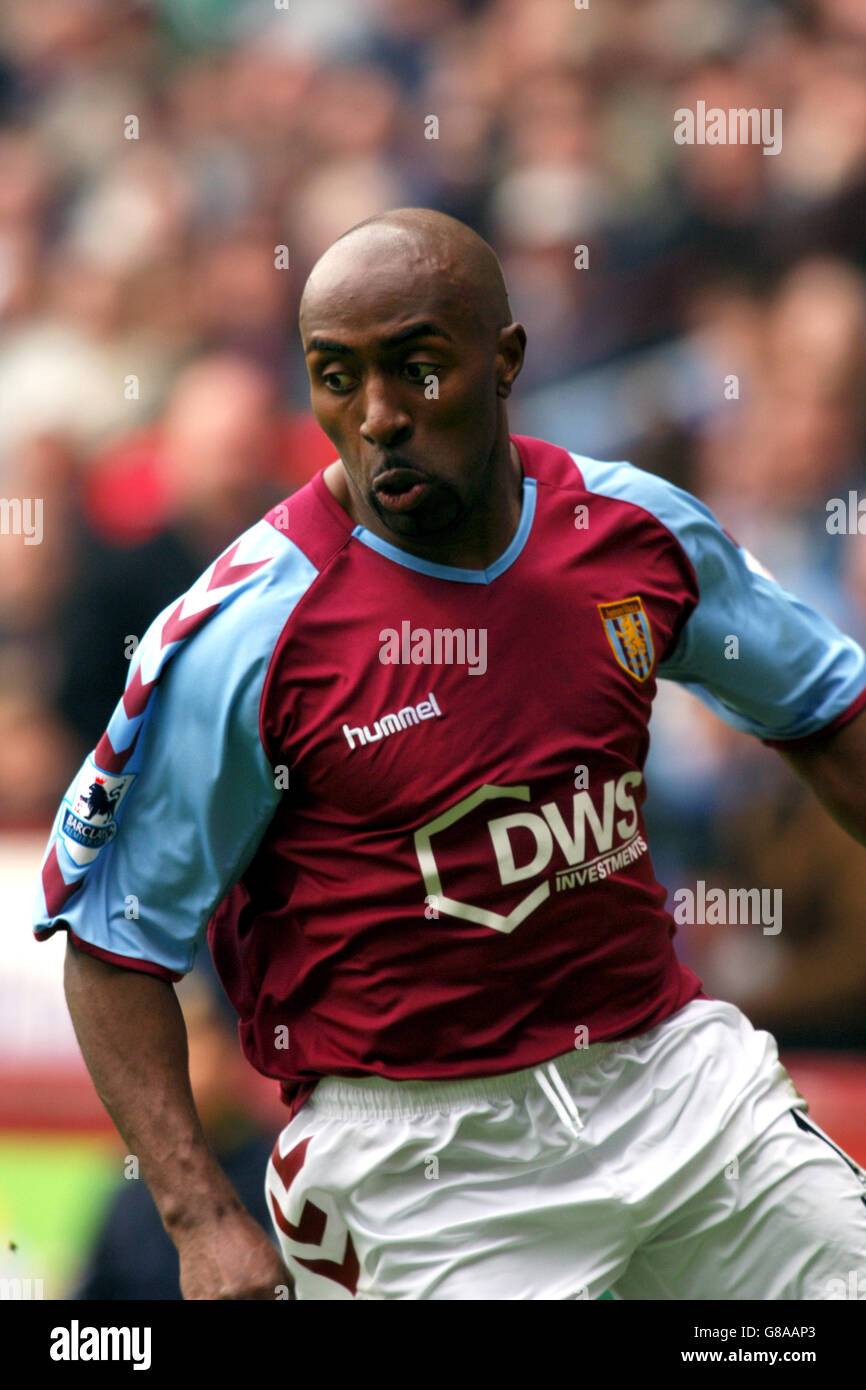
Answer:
(457, 880)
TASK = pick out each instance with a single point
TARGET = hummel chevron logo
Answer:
(158, 645)
(315, 1227)
(82, 835)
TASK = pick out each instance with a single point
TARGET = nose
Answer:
(386, 421)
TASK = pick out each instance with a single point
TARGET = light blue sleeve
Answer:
(141, 855)
(758, 656)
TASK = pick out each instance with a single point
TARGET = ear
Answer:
(510, 350)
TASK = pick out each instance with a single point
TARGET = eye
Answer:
(419, 371)
(338, 381)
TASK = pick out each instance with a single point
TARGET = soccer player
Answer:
(388, 752)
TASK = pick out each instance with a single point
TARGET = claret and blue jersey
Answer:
(404, 799)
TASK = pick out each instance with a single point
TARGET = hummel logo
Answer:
(394, 723)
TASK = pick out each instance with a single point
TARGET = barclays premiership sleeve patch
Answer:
(87, 822)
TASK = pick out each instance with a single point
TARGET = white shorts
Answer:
(674, 1165)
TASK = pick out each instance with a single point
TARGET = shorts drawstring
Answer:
(560, 1098)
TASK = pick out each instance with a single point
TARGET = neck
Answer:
(487, 529)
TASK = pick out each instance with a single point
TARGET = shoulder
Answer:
(712, 552)
(237, 600)
(269, 568)
(679, 511)
(661, 502)
(210, 642)
(313, 521)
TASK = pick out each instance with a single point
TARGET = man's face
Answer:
(405, 374)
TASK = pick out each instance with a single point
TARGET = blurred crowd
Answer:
(156, 155)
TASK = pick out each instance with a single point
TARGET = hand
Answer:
(231, 1258)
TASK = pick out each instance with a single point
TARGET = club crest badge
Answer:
(630, 636)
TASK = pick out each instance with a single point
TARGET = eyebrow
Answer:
(412, 330)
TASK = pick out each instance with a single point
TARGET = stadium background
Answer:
(152, 393)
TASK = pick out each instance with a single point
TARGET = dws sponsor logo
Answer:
(596, 844)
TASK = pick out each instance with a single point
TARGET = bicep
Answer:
(834, 767)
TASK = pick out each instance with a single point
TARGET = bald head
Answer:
(415, 240)
(412, 354)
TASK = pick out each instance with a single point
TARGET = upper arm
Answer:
(834, 766)
(135, 869)
(765, 661)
